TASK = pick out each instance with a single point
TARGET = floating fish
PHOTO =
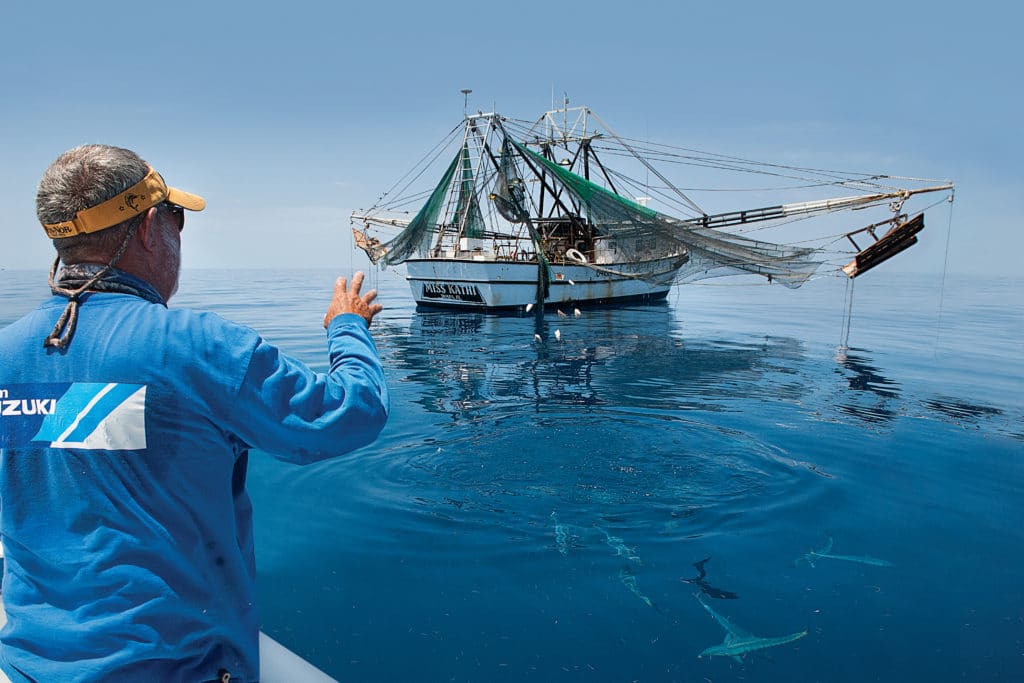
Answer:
(577, 312)
(561, 313)
(571, 282)
(561, 535)
(629, 581)
(705, 587)
(536, 337)
(558, 335)
(619, 546)
(826, 552)
(529, 307)
(739, 642)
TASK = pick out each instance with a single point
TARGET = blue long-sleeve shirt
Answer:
(125, 520)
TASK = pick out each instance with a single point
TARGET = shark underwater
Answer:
(619, 546)
(561, 535)
(739, 642)
(826, 552)
(628, 580)
(705, 587)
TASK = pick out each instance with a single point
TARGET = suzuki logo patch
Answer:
(85, 415)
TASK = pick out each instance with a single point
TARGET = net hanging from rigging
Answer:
(641, 234)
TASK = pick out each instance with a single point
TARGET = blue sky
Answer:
(287, 117)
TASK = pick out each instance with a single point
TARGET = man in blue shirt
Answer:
(125, 429)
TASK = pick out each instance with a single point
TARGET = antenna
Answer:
(465, 100)
(565, 116)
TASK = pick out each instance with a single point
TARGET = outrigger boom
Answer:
(809, 208)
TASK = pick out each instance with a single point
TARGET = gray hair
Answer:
(81, 178)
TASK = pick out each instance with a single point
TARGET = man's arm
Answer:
(286, 409)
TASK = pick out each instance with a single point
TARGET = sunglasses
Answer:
(178, 213)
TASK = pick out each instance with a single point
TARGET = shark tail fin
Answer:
(699, 566)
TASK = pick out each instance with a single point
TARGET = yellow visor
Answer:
(137, 199)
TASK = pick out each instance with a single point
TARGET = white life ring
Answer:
(576, 255)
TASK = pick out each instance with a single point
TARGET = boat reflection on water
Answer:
(625, 357)
(621, 411)
(615, 412)
(872, 397)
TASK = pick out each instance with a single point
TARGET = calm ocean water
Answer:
(531, 508)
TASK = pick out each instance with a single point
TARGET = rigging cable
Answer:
(435, 151)
(848, 303)
(849, 181)
(753, 162)
(725, 162)
(945, 265)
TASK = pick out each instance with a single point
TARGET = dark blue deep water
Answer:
(531, 508)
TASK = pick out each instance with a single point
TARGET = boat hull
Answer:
(490, 284)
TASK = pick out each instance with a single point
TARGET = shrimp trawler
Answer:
(563, 211)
